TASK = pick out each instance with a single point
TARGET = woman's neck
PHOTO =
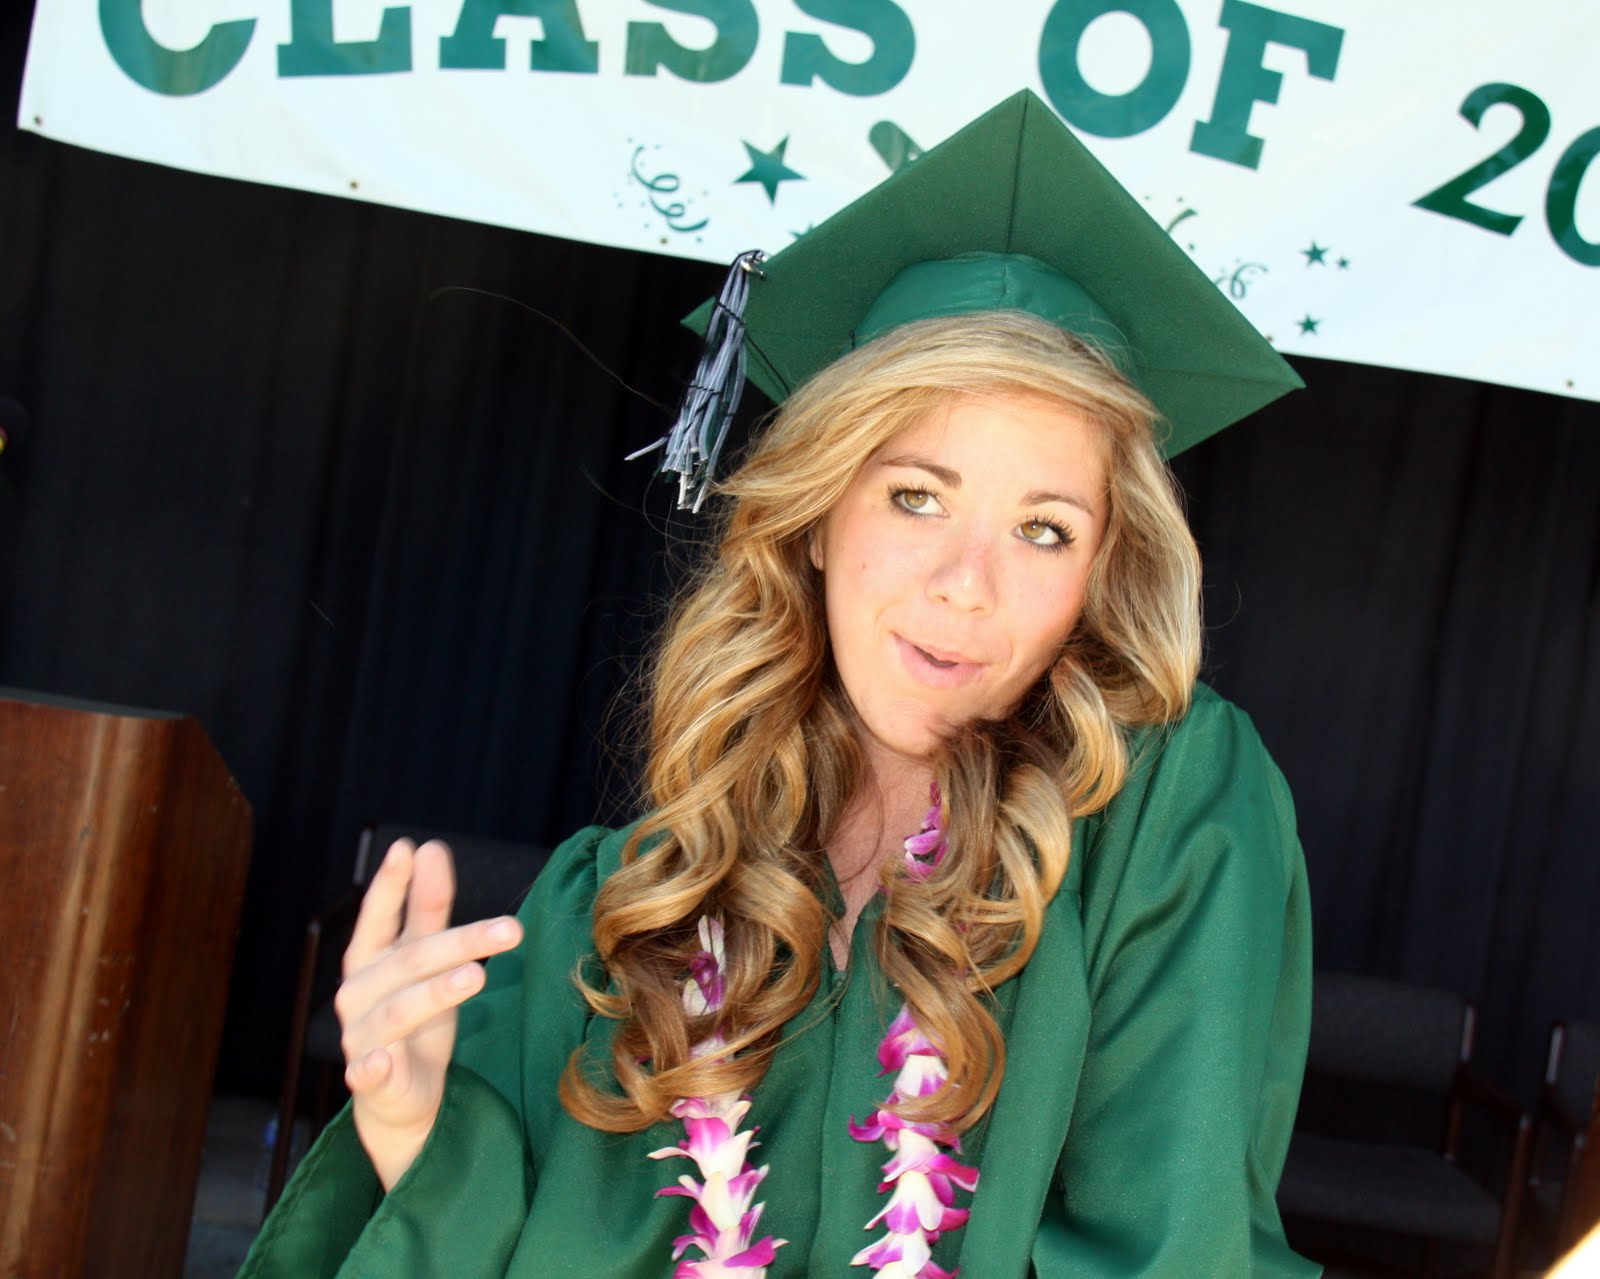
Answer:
(889, 806)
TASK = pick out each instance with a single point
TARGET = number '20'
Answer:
(1561, 197)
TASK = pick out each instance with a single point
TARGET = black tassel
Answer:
(694, 441)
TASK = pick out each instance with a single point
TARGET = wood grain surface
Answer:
(124, 846)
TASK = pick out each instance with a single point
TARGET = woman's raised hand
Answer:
(405, 974)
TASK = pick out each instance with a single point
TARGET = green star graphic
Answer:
(1315, 254)
(1344, 264)
(1308, 325)
(768, 168)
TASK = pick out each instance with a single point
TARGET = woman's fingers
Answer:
(433, 890)
(368, 1072)
(406, 972)
(411, 962)
(371, 1038)
(383, 907)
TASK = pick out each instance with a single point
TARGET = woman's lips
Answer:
(935, 667)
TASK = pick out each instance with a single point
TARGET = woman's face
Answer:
(955, 564)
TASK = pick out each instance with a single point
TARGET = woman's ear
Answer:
(814, 546)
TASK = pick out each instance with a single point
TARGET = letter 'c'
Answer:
(174, 72)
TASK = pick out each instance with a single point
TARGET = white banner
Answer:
(1406, 184)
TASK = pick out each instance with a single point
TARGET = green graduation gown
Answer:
(1155, 1044)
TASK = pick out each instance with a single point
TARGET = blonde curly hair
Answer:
(753, 754)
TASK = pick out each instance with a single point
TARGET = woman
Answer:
(931, 782)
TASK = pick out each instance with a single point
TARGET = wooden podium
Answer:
(124, 845)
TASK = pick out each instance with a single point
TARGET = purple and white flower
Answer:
(927, 848)
(922, 1174)
(723, 1220)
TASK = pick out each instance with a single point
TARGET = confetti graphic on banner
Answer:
(662, 193)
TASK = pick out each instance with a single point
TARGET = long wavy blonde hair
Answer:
(754, 757)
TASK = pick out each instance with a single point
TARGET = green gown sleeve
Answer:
(1198, 963)
(467, 1193)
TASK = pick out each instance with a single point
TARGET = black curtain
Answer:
(1403, 587)
(312, 471)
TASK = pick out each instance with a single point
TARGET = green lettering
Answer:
(1450, 199)
(564, 47)
(1118, 115)
(174, 72)
(1561, 200)
(894, 44)
(312, 50)
(650, 48)
(1245, 81)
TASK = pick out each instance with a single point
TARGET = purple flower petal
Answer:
(758, 1254)
(954, 1219)
(683, 1242)
(880, 1254)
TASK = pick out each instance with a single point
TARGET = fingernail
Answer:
(463, 977)
(505, 930)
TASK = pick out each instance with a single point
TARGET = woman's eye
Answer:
(918, 501)
(1043, 533)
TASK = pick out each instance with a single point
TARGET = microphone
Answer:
(14, 424)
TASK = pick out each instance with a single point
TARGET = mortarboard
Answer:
(1011, 212)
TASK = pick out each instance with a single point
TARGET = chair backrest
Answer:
(492, 875)
(1387, 1032)
(1573, 1070)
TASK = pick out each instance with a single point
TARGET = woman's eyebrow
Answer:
(947, 477)
(1035, 496)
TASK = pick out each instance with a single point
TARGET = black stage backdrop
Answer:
(290, 474)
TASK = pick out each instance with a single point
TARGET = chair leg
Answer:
(1575, 1217)
(1510, 1214)
(278, 1173)
(288, 1098)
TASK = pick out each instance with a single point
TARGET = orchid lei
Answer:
(920, 1176)
(724, 1217)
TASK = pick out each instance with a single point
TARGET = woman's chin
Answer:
(915, 742)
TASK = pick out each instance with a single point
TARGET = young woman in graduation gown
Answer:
(965, 929)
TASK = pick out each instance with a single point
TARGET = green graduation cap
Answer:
(1010, 213)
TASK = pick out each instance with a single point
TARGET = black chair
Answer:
(1382, 1035)
(1569, 1106)
(492, 877)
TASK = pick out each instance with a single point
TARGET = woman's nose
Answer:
(965, 578)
